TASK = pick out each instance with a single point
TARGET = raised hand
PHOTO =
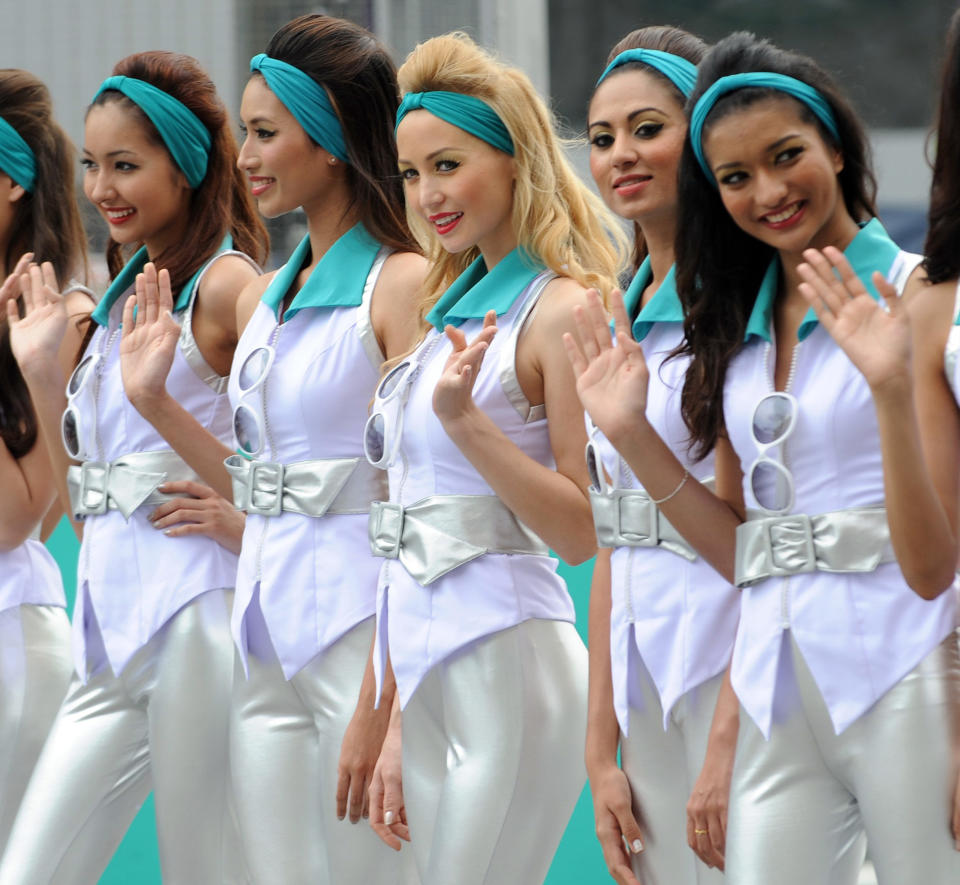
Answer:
(11, 285)
(36, 338)
(453, 395)
(150, 337)
(612, 378)
(875, 336)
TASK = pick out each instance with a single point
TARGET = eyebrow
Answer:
(770, 147)
(115, 153)
(630, 116)
(431, 155)
(253, 121)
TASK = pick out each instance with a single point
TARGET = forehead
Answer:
(259, 100)
(420, 133)
(629, 90)
(116, 126)
(756, 127)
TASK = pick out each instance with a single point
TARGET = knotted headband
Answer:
(682, 73)
(16, 158)
(466, 112)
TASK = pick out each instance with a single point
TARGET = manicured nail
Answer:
(388, 818)
(637, 846)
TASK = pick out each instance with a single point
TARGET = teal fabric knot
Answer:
(466, 112)
(797, 89)
(185, 136)
(16, 157)
(307, 100)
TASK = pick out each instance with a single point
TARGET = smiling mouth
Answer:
(631, 183)
(446, 223)
(259, 185)
(785, 215)
(119, 216)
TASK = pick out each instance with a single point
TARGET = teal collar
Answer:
(124, 281)
(476, 290)
(336, 281)
(663, 307)
(871, 249)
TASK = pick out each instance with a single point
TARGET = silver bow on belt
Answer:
(854, 540)
(124, 484)
(431, 537)
(629, 518)
(314, 488)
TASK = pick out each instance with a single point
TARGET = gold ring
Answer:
(700, 832)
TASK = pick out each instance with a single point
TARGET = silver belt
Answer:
(124, 484)
(314, 488)
(629, 518)
(431, 537)
(854, 540)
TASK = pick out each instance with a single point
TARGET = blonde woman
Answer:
(490, 671)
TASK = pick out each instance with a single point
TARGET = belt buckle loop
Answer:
(95, 479)
(265, 501)
(386, 529)
(795, 521)
(638, 522)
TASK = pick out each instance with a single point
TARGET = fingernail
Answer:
(168, 532)
(637, 846)
(341, 816)
(388, 818)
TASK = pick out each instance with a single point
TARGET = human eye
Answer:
(446, 165)
(732, 179)
(648, 129)
(124, 166)
(788, 154)
(87, 164)
(408, 174)
(264, 134)
(601, 140)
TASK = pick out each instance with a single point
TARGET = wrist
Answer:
(894, 390)
(464, 425)
(149, 403)
(633, 430)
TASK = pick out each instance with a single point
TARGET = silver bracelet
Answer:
(683, 480)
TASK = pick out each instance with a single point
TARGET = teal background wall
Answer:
(578, 860)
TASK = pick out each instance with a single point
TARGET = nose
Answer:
(624, 151)
(430, 195)
(245, 158)
(99, 185)
(770, 188)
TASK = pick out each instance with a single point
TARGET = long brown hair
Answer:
(222, 203)
(361, 80)
(46, 222)
(664, 38)
(942, 249)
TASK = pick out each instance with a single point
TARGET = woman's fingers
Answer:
(150, 293)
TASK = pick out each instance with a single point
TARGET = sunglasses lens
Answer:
(79, 373)
(70, 433)
(254, 368)
(392, 380)
(770, 484)
(247, 430)
(772, 418)
(373, 438)
(594, 468)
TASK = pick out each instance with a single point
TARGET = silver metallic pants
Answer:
(662, 767)
(35, 670)
(162, 725)
(802, 802)
(285, 740)
(493, 756)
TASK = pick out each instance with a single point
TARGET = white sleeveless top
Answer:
(951, 355)
(315, 577)
(424, 625)
(859, 633)
(29, 576)
(131, 577)
(681, 615)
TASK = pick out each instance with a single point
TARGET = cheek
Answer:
(598, 166)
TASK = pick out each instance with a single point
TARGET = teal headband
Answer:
(307, 100)
(187, 139)
(16, 158)
(680, 72)
(764, 79)
(463, 111)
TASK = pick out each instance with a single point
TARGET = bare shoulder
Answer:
(226, 279)
(250, 297)
(394, 309)
(555, 310)
(402, 275)
(78, 303)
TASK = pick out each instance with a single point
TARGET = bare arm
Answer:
(553, 503)
(612, 385)
(394, 309)
(612, 797)
(146, 351)
(891, 348)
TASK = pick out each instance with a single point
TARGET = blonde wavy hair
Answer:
(556, 218)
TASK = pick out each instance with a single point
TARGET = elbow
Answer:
(932, 582)
(576, 547)
(11, 539)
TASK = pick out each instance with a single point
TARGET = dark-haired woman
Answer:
(318, 113)
(934, 308)
(148, 706)
(38, 217)
(659, 647)
(845, 662)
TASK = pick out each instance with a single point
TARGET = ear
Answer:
(11, 191)
(838, 162)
